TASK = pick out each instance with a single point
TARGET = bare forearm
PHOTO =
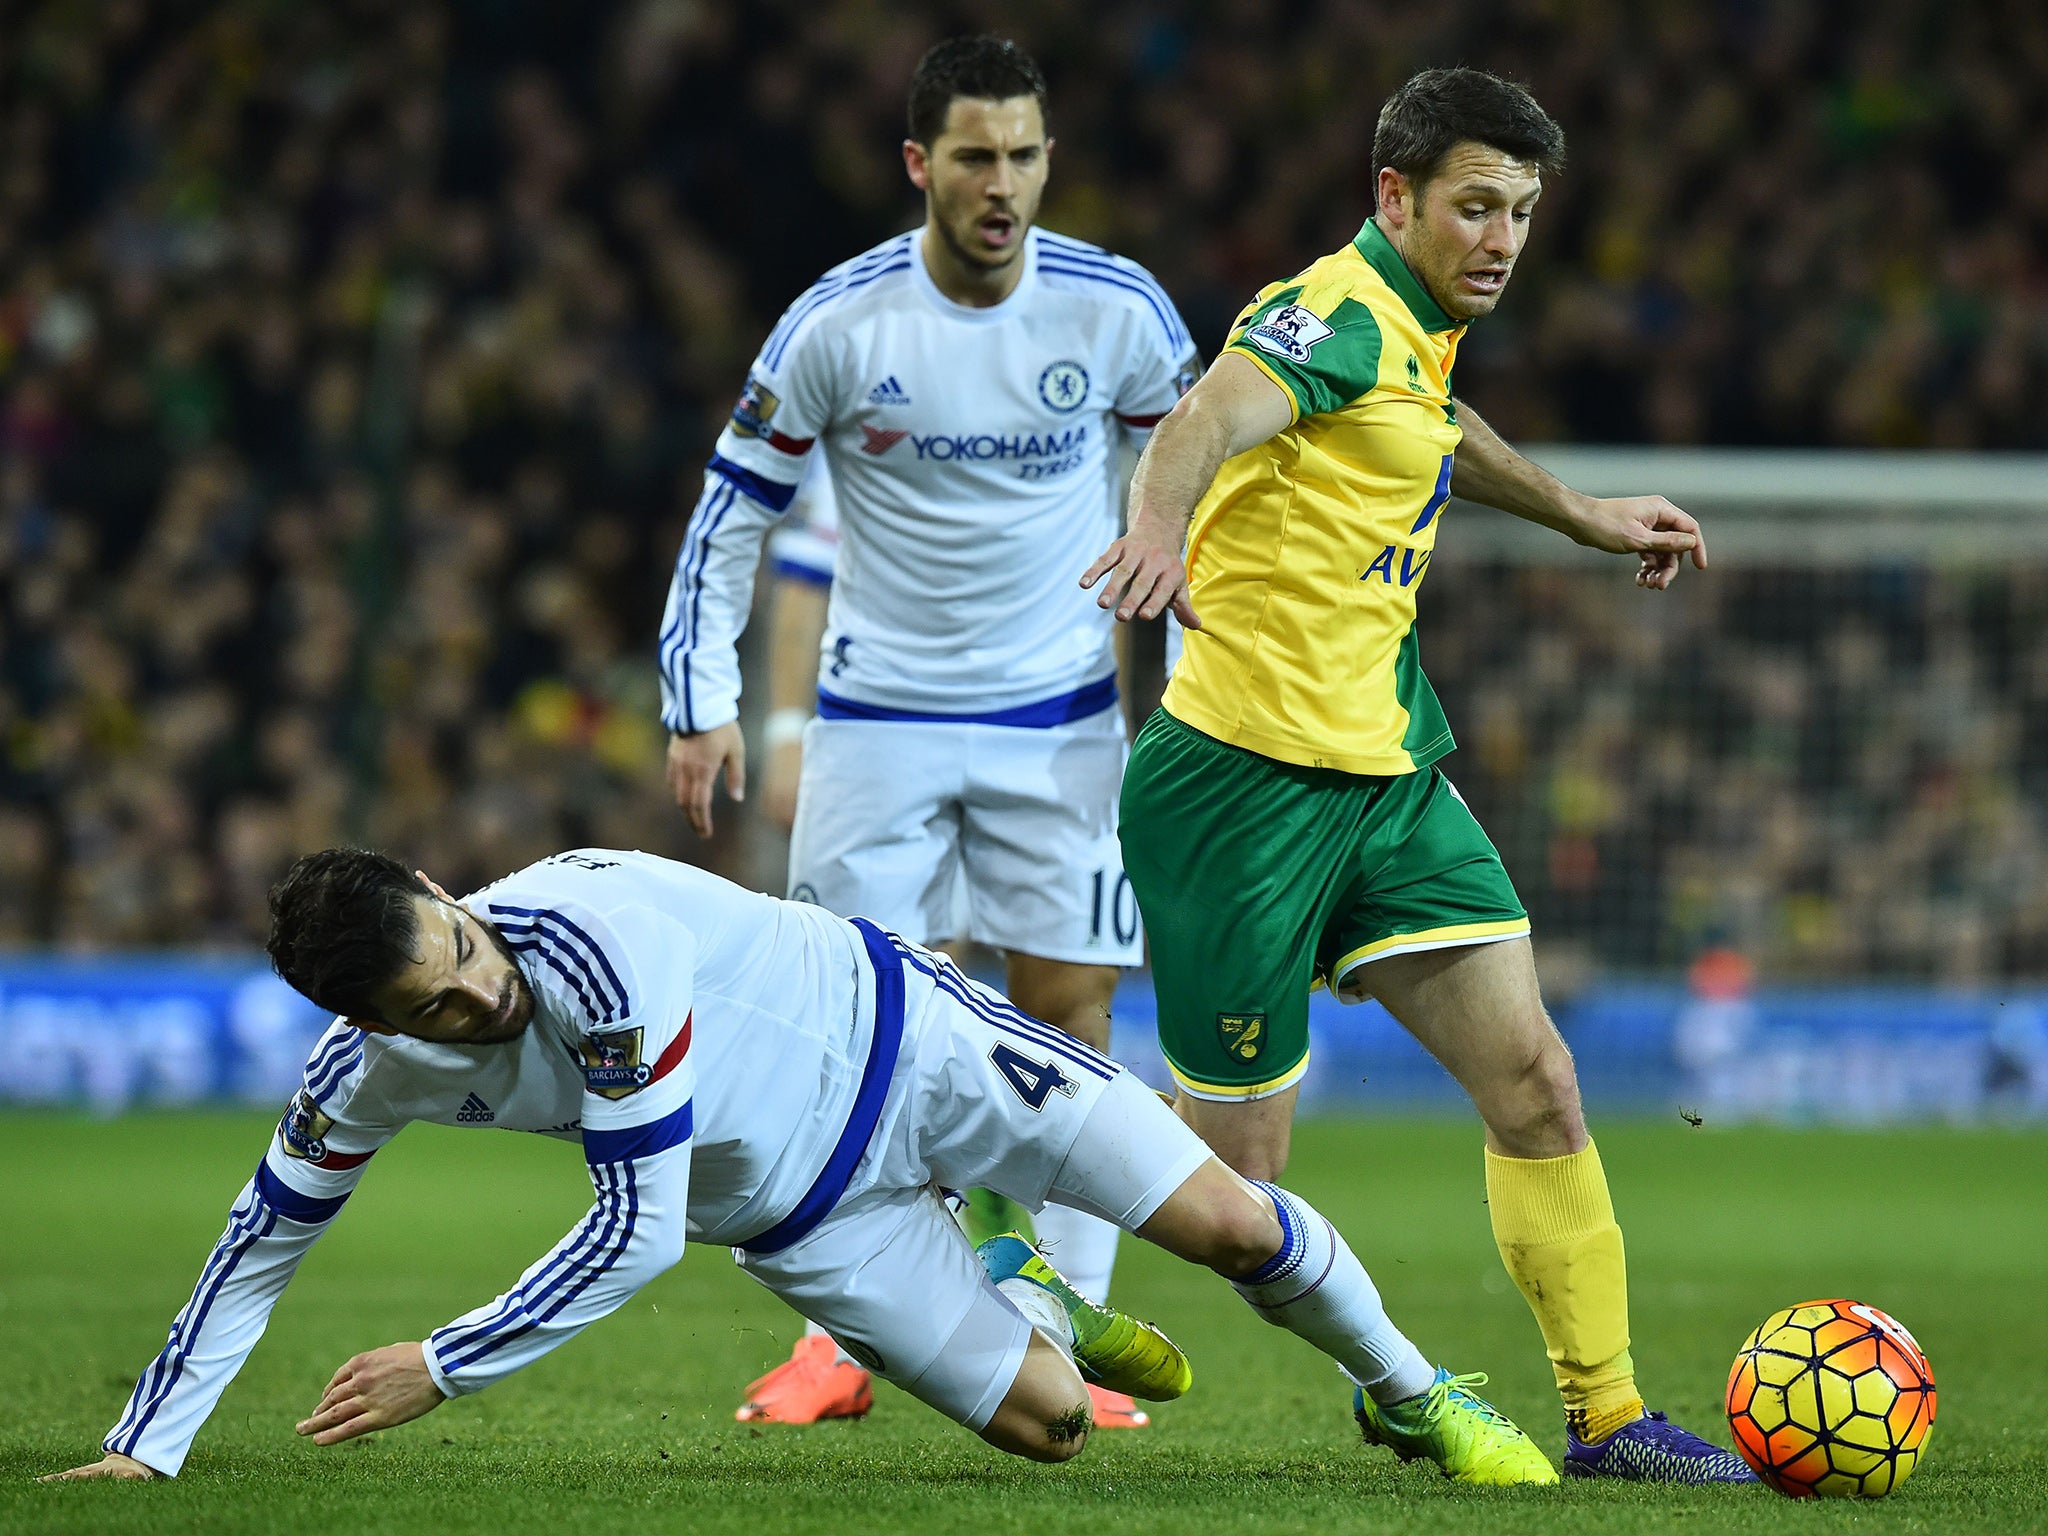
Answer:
(1187, 448)
(793, 644)
(1235, 407)
(1488, 471)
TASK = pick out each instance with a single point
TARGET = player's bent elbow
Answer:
(657, 1248)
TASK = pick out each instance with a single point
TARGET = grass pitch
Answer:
(103, 1227)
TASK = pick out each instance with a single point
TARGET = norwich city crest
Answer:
(1244, 1034)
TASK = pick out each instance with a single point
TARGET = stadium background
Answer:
(358, 363)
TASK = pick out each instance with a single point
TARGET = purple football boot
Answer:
(1654, 1450)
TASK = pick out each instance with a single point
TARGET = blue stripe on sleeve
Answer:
(571, 1251)
(629, 1142)
(772, 494)
(288, 1202)
(568, 1284)
(678, 636)
(244, 1232)
(573, 944)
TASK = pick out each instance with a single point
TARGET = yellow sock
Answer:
(1555, 1226)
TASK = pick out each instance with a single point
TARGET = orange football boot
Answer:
(1115, 1410)
(812, 1384)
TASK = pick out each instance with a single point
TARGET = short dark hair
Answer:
(342, 924)
(1442, 108)
(985, 68)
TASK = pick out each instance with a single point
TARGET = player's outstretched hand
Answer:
(694, 762)
(125, 1469)
(374, 1391)
(1145, 575)
(1648, 527)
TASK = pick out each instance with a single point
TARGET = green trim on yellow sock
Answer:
(1554, 1224)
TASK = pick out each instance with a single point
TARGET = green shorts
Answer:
(1259, 878)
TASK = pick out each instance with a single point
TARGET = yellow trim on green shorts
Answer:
(1432, 938)
(1231, 1092)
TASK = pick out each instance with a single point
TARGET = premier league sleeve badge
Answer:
(612, 1067)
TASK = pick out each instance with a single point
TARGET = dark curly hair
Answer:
(342, 924)
(984, 68)
(1442, 108)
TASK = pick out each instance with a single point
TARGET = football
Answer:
(1831, 1399)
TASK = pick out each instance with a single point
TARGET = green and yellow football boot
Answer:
(1112, 1348)
(984, 1214)
(1453, 1426)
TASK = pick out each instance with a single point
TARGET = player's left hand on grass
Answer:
(375, 1390)
(1648, 527)
(1145, 573)
(121, 1469)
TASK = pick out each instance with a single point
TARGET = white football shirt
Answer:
(972, 461)
(721, 1056)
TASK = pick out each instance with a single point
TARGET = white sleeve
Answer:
(637, 1124)
(806, 547)
(1163, 361)
(313, 1163)
(750, 482)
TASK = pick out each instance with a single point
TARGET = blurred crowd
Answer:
(1830, 773)
(358, 363)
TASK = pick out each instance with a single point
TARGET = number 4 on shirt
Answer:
(1033, 1080)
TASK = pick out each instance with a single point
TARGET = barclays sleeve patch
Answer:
(612, 1067)
(1290, 332)
(755, 408)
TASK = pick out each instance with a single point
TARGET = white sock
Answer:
(812, 1330)
(1042, 1310)
(1316, 1287)
(1079, 1246)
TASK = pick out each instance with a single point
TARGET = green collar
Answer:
(1379, 251)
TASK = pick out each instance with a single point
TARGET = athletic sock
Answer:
(1042, 1310)
(1079, 1246)
(1554, 1223)
(812, 1331)
(1315, 1286)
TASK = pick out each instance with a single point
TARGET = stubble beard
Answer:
(980, 261)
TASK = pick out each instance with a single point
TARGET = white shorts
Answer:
(983, 1096)
(1001, 834)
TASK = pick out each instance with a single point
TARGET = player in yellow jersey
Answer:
(1283, 818)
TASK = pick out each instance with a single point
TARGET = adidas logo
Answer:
(888, 392)
(475, 1111)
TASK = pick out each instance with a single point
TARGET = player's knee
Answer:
(1065, 1434)
(1045, 1415)
(1539, 1113)
(1243, 1233)
(1043, 1431)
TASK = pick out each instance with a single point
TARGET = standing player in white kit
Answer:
(965, 382)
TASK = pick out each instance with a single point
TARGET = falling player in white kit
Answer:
(743, 1071)
(967, 384)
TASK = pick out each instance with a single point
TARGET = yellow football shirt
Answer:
(1305, 556)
